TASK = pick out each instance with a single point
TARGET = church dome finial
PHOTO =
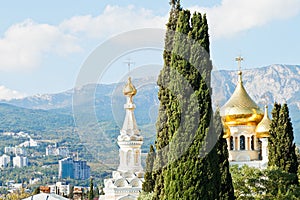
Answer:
(129, 89)
(239, 60)
(262, 129)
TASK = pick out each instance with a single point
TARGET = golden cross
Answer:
(239, 60)
(129, 62)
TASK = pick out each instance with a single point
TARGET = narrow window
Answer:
(252, 142)
(136, 158)
(231, 143)
(242, 142)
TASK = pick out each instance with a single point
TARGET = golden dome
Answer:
(129, 89)
(262, 129)
(240, 103)
(240, 109)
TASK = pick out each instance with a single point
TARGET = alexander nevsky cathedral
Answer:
(246, 130)
(246, 127)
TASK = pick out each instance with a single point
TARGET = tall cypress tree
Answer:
(164, 95)
(273, 140)
(91, 191)
(186, 113)
(225, 185)
(149, 182)
(281, 141)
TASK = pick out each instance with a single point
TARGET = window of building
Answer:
(136, 158)
(231, 143)
(242, 142)
(252, 142)
(129, 155)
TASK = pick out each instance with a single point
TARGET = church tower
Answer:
(246, 127)
(130, 140)
(126, 182)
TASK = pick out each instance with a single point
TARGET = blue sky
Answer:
(43, 44)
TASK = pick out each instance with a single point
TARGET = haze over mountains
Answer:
(280, 83)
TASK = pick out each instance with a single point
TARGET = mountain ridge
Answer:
(265, 85)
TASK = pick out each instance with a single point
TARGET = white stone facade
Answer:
(245, 148)
(20, 161)
(126, 182)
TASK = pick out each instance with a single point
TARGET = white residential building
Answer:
(4, 161)
(20, 161)
(60, 188)
(62, 151)
(15, 150)
(53, 150)
(30, 143)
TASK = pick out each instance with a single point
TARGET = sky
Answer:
(44, 45)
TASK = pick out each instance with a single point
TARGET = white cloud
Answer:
(114, 20)
(24, 44)
(234, 16)
(8, 94)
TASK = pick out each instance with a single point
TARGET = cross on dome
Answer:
(239, 60)
(129, 63)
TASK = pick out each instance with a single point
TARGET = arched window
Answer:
(242, 142)
(231, 143)
(252, 142)
(136, 157)
(260, 150)
(129, 154)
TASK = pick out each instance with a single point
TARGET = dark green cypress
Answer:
(225, 185)
(165, 96)
(273, 140)
(149, 182)
(282, 152)
(91, 191)
(186, 113)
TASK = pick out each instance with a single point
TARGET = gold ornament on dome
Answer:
(129, 90)
(262, 129)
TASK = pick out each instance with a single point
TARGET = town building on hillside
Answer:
(14, 150)
(246, 128)
(126, 182)
(4, 161)
(81, 170)
(75, 169)
(20, 161)
(61, 189)
(65, 168)
(30, 143)
(53, 150)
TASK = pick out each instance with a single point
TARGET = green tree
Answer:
(273, 139)
(164, 96)
(91, 190)
(184, 121)
(282, 152)
(272, 183)
(225, 185)
(148, 184)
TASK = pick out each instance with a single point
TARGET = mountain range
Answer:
(99, 102)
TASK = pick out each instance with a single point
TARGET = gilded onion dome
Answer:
(240, 109)
(262, 129)
(240, 103)
(129, 89)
